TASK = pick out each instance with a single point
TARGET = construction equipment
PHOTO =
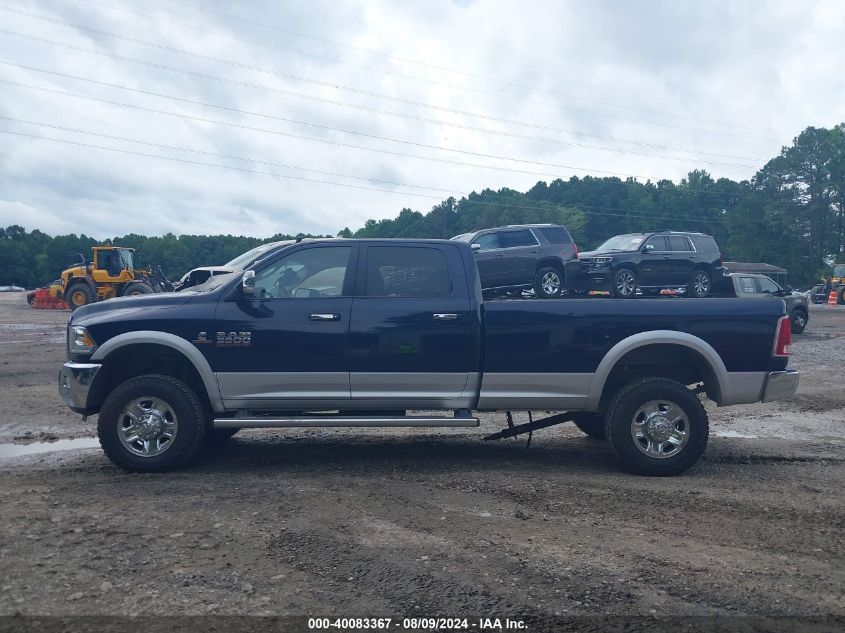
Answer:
(110, 274)
(835, 285)
(48, 298)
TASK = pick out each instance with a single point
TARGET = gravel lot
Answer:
(400, 523)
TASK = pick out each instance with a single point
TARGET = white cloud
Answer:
(768, 70)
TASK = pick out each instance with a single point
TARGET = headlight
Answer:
(601, 262)
(80, 341)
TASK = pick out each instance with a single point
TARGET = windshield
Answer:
(245, 258)
(213, 283)
(125, 260)
(464, 237)
(242, 261)
(622, 243)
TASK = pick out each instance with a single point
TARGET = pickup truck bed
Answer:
(370, 328)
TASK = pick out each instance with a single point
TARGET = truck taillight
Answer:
(783, 338)
(576, 250)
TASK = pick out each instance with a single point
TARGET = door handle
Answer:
(444, 316)
(533, 252)
(499, 255)
(324, 317)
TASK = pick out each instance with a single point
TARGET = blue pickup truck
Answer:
(329, 333)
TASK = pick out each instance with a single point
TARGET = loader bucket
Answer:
(41, 299)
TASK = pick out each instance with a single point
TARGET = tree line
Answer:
(791, 214)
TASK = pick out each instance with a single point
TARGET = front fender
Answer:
(190, 352)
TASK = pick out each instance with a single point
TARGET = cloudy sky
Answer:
(261, 117)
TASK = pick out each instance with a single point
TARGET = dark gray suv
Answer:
(525, 256)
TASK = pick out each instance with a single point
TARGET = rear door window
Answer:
(513, 239)
(394, 271)
(677, 243)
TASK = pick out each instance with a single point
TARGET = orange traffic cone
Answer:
(831, 298)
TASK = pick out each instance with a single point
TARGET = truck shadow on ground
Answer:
(412, 455)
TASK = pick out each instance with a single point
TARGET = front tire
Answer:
(624, 284)
(151, 423)
(548, 283)
(80, 294)
(797, 321)
(699, 285)
(656, 427)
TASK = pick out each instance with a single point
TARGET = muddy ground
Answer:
(409, 523)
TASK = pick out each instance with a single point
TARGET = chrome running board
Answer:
(308, 421)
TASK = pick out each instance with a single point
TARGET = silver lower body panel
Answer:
(522, 391)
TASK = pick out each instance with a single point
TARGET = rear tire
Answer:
(797, 321)
(624, 285)
(592, 424)
(148, 408)
(548, 283)
(80, 294)
(656, 427)
(699, 285)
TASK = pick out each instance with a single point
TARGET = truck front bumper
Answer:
(780, 385)
(75, 380)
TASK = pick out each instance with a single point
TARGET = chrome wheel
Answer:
(701, 284)
(147, 426)
(626, 283)
(660, 428)
(550, 282)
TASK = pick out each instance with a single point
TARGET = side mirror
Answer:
(648, 248)
(475, 247)
(248, 283)
(788, 288)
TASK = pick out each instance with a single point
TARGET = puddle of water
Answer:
(16, 450)
(735, 434)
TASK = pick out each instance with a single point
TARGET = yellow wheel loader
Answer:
(111, 273)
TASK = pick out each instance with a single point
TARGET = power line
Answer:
(317, 125)
(460, 72)
(271, 163)
(432, 82)
(195, 162)
(356, 91)
(296, 136)
(620, 212)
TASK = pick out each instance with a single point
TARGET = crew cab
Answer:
(358, 333)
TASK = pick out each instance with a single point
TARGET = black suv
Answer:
(525, 256)
(649, 261)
